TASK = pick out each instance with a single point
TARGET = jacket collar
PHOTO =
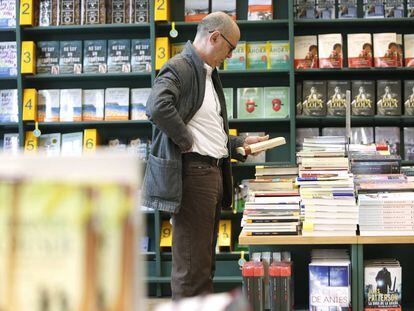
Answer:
(191, 52)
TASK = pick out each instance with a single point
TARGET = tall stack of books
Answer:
(326, 188)
(272, 207)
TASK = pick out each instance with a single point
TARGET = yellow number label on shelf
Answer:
(162, 10)
(30, 143)
(29, 105)
(26, 13)
(28, 57)
(162, 46)
(90, 140)
(224, 238)
(166, 234)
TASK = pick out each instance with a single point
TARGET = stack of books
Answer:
(272, 206)
(326, 188)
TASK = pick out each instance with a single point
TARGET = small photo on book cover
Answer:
(260, 10)
(95, 56)
(336, 104)
(47, 57)
(71, 105)
(48, 105)
(390, 136)
(9, 108)
(279, 55)
(363, 98)
(139, 99)
(117, 104)
(226, 6)
(119, 56)
(409, 50)
(305, 9)
(409, 143)
(298, 99)
(362, 135)
(276, 102)
(93, 105)
(237, 61)
(195, 10)
(139, 147)
(70, 60)
(410, 8)
(385, 49)
(141, 55)
(250, 103)
(409, 97)
(373, 8)
(256, 53)
(382, 287)
(359, 50)
(325, 9)
(314, 98)
(306, 52)
(347, 8)
(394, 8)
(228, 96)
(389, 97)
(330, 51)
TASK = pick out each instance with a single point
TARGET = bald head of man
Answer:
(216, 38)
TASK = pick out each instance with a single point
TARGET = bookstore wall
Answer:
(319, 214)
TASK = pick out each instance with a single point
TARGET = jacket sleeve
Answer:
(162, 108)
(236, 141)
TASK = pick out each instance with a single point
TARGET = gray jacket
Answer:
(176, 96)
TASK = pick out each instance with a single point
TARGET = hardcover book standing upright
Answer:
(385, 49)
(279, 55)
(394, 8)
(47, 57)
(359, 50)
(95, 56)
(250, 103)
(139, 99)
(389, 97)
(70, 60)
(195, 10)
(336, 102)
(347, 8)
(373, 8)
(237, 61)
(326, 9)
(7, 13)
(363, 98)
(409, 50)
(140, 55)
(276, 102)
(8, 59)
(306, 52)
(314, 98)
(330, 51)
(226, 6)
(409, 97)
(93, 105)
(305, 9)
(256, 55)
(119, 55)
(260, 10)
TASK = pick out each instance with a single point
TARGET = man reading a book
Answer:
(188, 172)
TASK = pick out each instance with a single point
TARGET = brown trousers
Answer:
(195, 229)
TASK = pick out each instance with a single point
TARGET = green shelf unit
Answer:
(305, 121)
(91, 124)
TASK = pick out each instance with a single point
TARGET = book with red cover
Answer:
(385, 49)
(306, 52)
(330, 51)
(359, 50)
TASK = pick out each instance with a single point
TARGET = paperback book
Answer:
(140, 12)
(359, 50)
(47, 57)
(279, 55)
(93, 105)
(409, 50)
(362, 135)
(47, 15)
(119, 56)
(373, 8)
(330, 51)
(9, 109)
(325, 9)
(95, 56)
(48, 105)
(50, 144)
(389, 97)
(7, 13)
(93, 12)
(260, 10)
(347, 8)
(195, 10)
(237, 61)
(72, 144)
(409, 97)
(140, 55)
(314, 98)
(70, 58)
(410, 8)
(305, 9)
(336, 104)
(363, 98)
(69, 12)
(256, 53)
(139, 99)
(8, 59)
(394, 8)
(70, 105)
(226, 6)
(250, 103)
(117, 104)
(385, 50)
(306, 52)
(276, 102)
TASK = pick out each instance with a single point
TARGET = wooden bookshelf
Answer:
(294, 240)
(385, 239)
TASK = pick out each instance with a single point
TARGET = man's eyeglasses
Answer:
(232, 47)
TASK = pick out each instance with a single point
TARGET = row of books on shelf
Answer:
(93, 56)
(74, 143)
(368, 97)
(8, 58)
(326, 50)
(90, 12)
(330, 9)
(269, 281)
(365, 135)
(111, 104)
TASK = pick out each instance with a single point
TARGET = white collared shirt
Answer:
(207, 125)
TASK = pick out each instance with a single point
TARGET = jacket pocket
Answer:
(163, 178)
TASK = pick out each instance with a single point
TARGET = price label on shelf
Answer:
(28, 62)
(224, 237)
(26, 13)
(162, 10)
(166, 234)
(29, 105)
(162, 46)
(90, 140)
(30, 143)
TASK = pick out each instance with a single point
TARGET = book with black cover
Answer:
(336, 104)
(409, 97)
(363, 98)
(314, 98)
(389, 97)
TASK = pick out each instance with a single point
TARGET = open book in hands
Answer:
(261, 146)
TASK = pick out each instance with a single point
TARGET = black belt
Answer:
(196, 157)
